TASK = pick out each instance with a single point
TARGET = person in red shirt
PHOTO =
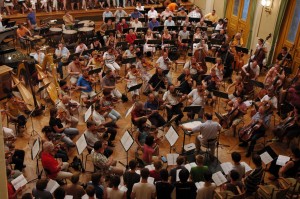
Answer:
(130, 37)
(156, 172)
(12, 193)
(121, 26)
(54, 168)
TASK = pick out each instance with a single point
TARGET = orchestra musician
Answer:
(213, 17)
(284, 54)
(109, 82)
(143, 66)
(237, 40)
(68, 20)
(210, 83)
(110, 60)
(164, 63)
(197, 97)
(132, 80)
(22, 33)
(238, 91)
(130, 37)
(120, 27)
(139, 115)
(166, 36)
(64, 89)
(96, 45)
(136, 24)
(81, 47)
(219, 68)
(148, 47)
(70, 108)
(96, 60)
(274, 77)
(227, 60)
(101, 116)
(129, 53)
(254, 70)
(61, 52)
(260, 52)
(153, 104)
(173, 102)
(259, 124)
(158, 82)
(185, 82)
(108, 103)
(38, 55)
(109, 25)
(111, 41)
(74, 70)
(183, 34)
(85, 83)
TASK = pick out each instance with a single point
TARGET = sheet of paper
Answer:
(19, 181)
(226, 167)
(88, 114)
(81, 144)
(247, 167)
(177, 175)
(150, 167)
(138, 172)
(123, 188)
(219, 178)
(85, 196)
(52, 186)
(199, 184)
(68, 197)
(171, 158)
(129, 110)
(192, 124)
(190, 166)
(127, 140)
(193, 164)
(282, 159)
(266, 158)
(172, 136)
(35, 149)
(150, 180)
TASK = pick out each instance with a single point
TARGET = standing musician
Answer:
(260, 52)
(108, 82)
(164, 63)
(254, 71)
(197, 97)
(74, 70)
(210, 83)
(258, 126)
(227, 60)
(158, 82)
(85, 83)
(132, 80)
(70, 108)
(61, 52)
(110, 60)
(219, 68)
(153, 104)
(173, 102)
(284, 55)
(185, 82)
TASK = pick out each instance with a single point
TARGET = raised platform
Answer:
(93, 14)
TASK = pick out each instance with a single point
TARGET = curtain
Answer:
(277, 31)
(252, 16)
(225, 7)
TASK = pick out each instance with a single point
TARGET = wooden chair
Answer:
(270, 192)
(227, 195)
(292, 184)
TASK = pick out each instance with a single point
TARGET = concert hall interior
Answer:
(150, 99)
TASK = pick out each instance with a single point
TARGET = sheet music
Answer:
(282, 159)
(190, 166)
(127, 141)
(129, 110)
(192, 124)
(150, 180)
(68, 197)
(150, 167)
(171, 158)
(172, 136)
(199, 184)
(88, 114)
(19, 181)
(123, 188)
(81, 144)
(266, 158)
(226, 167)
(35, 149)
(138, 172)
(52, 186)
(85, 196)
(247, 167)
(219, 178)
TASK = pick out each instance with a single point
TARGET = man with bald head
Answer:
(70, 108)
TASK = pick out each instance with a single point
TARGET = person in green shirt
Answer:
(197, 173)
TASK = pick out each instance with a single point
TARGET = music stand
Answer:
(144, 30)
(171, 42)
(194, 109)
(172, 28)
(107, 32)
(220, 94)
(126, 30)
(158, 28)
(128, 60)
(165, 72)
(126, 18)
(181, 18)
(127, 142)
(186, 41)
(94, 71)
(191, 19)
(139, 42)
(88, 113)
(113, 19)
(81, 145)
(135, 87)
(188, 28)
(72, 56)
(241, 49)
(172, 137)
(87, 52)
(257, 83)
(123, 45)
(35, 149)
(204, 29)
(154, 41)
(216, 31)
(208, 23)
(142, 19)
(211, 60)
(197, 41)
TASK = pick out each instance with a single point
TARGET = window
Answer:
(245, 9)
(236, 7)
(295, 22)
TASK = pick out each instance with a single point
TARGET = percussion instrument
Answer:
(70, 36)
(87, 23)
(55, 31)
(86, 30)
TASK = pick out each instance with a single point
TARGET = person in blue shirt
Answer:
(152, 104)
(153, 23)
(84, 83)
(136, 14)
(31, 19)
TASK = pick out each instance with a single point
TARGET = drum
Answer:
(87, 23)
(86, 30)
(70, 36)
(55, 31)
(86, 33)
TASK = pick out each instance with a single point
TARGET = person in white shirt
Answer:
(164, 63)
(139, 6)
(195, 13)
(197, 97)
(207, 190)
(1, 25)
(115, 192)
(165, 14)
(120, 13)
(169, 22)
(136, 24)
(110, 60)
(38, 56)
(270, 98)
(143, 189)
(81, 47)
(152, 13)
(254, 69)
(220, 25)
(107, 13)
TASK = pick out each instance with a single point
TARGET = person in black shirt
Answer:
(284, 54)
(153, 104)
(57, 127)
(164, 188)
(211, 83)
(157, 81)
(180, 165)
(185, 189)
(131, 177)
(96, 45)
(227, 60)
(186, 82)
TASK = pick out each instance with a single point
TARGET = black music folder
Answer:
(107, 32)
(135, 87)
(210, 59)
(128, 60)
(191, 19)
(220, 94)
(112, 18)
(208, 23)
(241, 49)
(158, 28)
(139, 41)
(143, 29)
(194, 109)
(97, 70)
(257, 83)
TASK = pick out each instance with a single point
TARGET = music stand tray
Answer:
(210, 59)
(186, 41)
(72, 56)
(135, 87)
(129, 60)
(112, 19)
(241, 49)
(154, 41)
(287, 70)
(43, 88)
(208, 23)
(126, 30)
(144, 30)
(97, 70)
(194, 109)
(203, 29)
(107, 32)
(191, 19)
(126, 18)
(182, 18)
(172, 28)
(165, 72)
(171, 42)
(158, 28)
(257, 83)
(87, 52)
(220, 94)
(139, 41)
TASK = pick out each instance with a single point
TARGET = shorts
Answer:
(87, 94)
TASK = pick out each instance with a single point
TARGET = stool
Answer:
(207, 153)
(179, 62)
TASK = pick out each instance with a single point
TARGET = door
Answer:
(238, 15)
(290, 33)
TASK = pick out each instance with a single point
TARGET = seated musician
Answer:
(81, 47)
(284, 54)
(238, 40)
(22, 33)
(164, 63)
(254, 71)
(108, 102)
(120, 27)
(139, 115)
(197, 97)
(169, 22)
(85, 83)
(274, 77)
(111, 41)
(136, 14)
(213, 17)
(203, 46)
(270, 99)
(136, 24)
(185, 82)
(130, 37)
(238, 91)
(166, 13)
(259, 124)
(132, 80)
(64, 89)
(166, 36)
(173, 6)
(129, 53)
(38, 55)
(96, 45)
(153, 104)
(196, 13)
(183, 34)
(15, 107)
(61, 52)
(219, 67)
(109, 82)
(153, 23)
(152, 13)
(173, 102)
(101, 116)
(144, 66)
(96, 60)
(201, 23)
(68, 20)
(210, 83)
(110, 60)
(74, 70)
(120, 13)
(293, 95)
(220, 36)
(71, 108)
(107, 12)
(220, 25)
(186, 22)
(109, 25)
(149, 47)
(157, 82)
